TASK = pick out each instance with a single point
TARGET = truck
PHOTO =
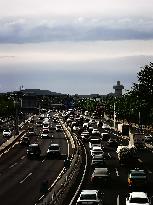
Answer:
(128, 156)
(123, 129)
(139, 140)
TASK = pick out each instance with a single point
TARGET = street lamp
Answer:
(114, 115)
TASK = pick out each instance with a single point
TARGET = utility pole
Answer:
(114, 116)
(16, 117)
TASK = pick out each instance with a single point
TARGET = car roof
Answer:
(95, 148)
(101, 171)
(135, 171)
(34, 145)
(138, 194)
(89, 191)
(54, 145)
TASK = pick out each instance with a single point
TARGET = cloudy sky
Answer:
(74, 46)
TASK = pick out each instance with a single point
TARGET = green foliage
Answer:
(6, 106)
(135, 106)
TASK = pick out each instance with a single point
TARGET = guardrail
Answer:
(59, 190)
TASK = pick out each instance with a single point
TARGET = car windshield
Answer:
(137, 174)
(88, 197)
(97, 152)
(54, 147)
(33, 148)
(139, 200)
(95, 141)
(45, 131)
(45, 125)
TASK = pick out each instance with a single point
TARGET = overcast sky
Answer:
(74, 46)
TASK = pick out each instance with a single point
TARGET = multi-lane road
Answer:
(21, 179)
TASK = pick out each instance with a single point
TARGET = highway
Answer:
(21, 179)
(116, 191)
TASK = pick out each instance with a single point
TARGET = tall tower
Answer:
(118, 89)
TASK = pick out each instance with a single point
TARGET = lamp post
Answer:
(114, 115)
(16, 117)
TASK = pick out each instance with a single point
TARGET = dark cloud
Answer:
(88, 29)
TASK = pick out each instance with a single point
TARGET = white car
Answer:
(94, 142)
(137, 198)
(76, 128)
(7, 133)
(58, 128)
(89, 197)
(45, 133)
(45, 125)
(96, 150)
(85, 135)
(95, 132)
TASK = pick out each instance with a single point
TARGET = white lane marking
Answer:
(140, 160)
(117, 172)
(13, 165)
(68, 148)
(22, 157)
(26, 178)
(118, 200)
(150, 172)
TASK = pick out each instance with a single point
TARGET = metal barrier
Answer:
(60, 189)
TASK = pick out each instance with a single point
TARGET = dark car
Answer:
(100, 176)
(33, 151)
(137, 178)
(97, 163)
(53, 150)
(25, 141)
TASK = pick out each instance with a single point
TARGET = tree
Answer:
(142, 94)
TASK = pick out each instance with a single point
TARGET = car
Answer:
(137, 198)
(46, 125)
(7, 133)
(90, 129)
(94, 142)
(137, 178)
(96, 150)
(58, 128)
(95, 132)
(100, 175)
(25, 141)
(97, 163)
(53, 150)
(148, 138)
(85, 135)
(31, 131)
(33, 151)
(92, 122)
(112, 143)
(93, 197)
(39, 123)
(76, 128)
(105, 136)
(45, 133)
(99, 124)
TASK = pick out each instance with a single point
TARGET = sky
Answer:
(74, 46)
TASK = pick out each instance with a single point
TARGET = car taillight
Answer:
(129, 181)
(92, 178)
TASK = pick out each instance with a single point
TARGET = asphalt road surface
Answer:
(21, 179)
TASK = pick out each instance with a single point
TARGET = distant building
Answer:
(118, 89)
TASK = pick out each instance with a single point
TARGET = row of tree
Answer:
(136, 106)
